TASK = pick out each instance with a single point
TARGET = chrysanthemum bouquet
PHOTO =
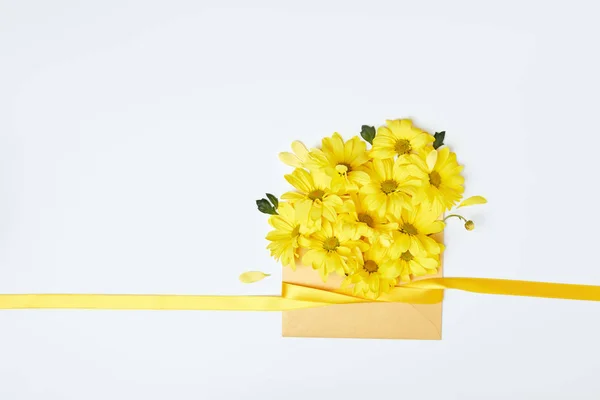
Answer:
(367, 214)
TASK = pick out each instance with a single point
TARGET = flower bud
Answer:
(469, 225)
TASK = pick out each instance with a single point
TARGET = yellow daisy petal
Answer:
(300, 149)
(473, 200)
(253, 276)
(431, 159)
(290, 159)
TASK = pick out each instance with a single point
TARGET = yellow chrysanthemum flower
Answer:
(410, 265)
(443, 182)
(284, 238)
(342, 161)
(297, 159)
(399, 138)
(314, 199)
(374, 273)
(367, 223)
(414, 228)
(330, 248)
(391, 188)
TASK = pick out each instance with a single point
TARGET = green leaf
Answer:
(265, 207)
(439, 139)
(368, 133)
(273, 200)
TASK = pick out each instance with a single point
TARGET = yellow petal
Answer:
(374, 284)
(344, 251)
(428, 263)
(370, 188)
(290, 159)
(473, 200)
(252, 276)
(431, 159)
(337, 144)
(277, 235)
(381, 153)
(299, 180)
(401, 244)
(329, 213)
(293, 196)
(359, 177)
(300, 149)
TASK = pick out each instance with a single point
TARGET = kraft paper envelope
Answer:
(368, 320)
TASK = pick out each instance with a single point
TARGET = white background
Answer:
(135, 137)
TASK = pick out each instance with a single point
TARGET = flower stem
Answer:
(457, 216)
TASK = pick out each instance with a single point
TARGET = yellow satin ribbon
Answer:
(294, 297)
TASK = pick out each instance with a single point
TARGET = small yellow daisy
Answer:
(414, 229)
(391, 188)
(374, 272)
(367, 223)
(442, 179)
(342, 161)
(314, 199)
(399, 138)
(284, 238)
(330, 248)
(410, 265)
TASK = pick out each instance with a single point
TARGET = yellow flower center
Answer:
(331, 243)
(370, 266)
(316, 194)
(406, 256)
(389, 186)
(435, 179)
(367, 219)
(402, 146)
(342, 168)
(409, 229)
(296, 232)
